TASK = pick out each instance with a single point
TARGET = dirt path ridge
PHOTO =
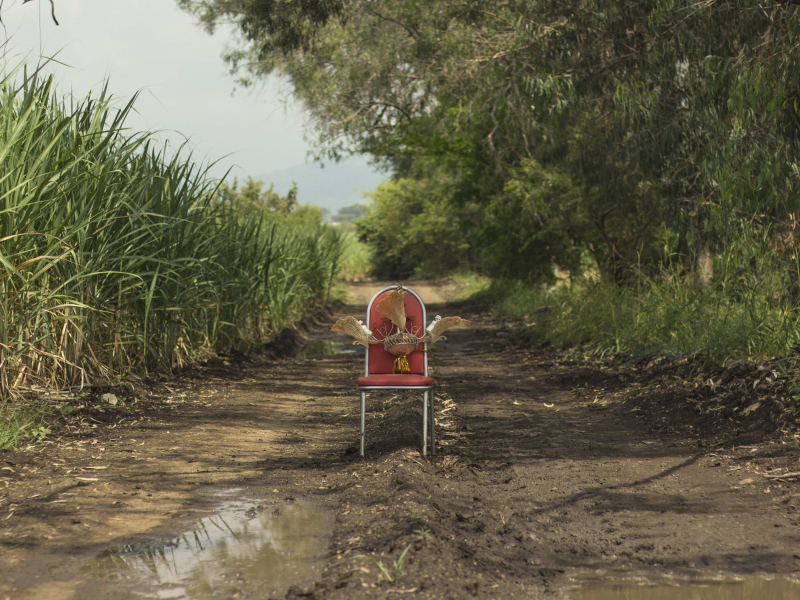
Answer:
(542, 475)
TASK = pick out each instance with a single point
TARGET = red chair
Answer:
(379, 363)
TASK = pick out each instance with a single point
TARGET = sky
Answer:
(186, 91)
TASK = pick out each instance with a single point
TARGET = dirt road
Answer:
(547, 473)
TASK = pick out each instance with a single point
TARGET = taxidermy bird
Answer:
(402, 342)
(393, 306)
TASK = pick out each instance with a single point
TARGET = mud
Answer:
(244, 545)
(551, 474)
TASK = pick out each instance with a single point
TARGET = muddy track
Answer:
(543, 475)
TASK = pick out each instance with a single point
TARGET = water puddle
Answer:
(244, 548)
(325, 348)
(748, 588)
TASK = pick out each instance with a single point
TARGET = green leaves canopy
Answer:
(667, 124)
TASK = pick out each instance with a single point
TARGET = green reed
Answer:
(116, 255)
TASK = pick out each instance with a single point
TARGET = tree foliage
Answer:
(350, 214)
(625, 129)
(414, 230)
(253, 200)
(268, 25)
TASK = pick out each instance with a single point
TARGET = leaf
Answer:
(753, 407)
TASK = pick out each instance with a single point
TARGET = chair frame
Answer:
(426, 389)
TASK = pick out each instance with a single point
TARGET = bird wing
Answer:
(439, 327)
(351, 326)
(393, 307)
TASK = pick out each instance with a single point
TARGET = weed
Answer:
(396, 572)
(37, 433)
(423, 533)
(21, 423)
(794, 383)
(471, 285)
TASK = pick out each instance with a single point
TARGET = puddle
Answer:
(749, 588)
(325, 348)
(244, 548)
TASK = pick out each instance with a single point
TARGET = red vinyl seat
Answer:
(390, 380)
(379, 363)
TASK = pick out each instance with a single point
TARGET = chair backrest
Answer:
(378, 360)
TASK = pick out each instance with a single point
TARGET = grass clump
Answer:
(393, 574)
(21, 424)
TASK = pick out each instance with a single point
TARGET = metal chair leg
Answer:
(433, 422)
(363, 411)
(425, 423)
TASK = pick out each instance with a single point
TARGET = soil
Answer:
(551, 464)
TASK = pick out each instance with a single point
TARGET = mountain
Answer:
(333, 187)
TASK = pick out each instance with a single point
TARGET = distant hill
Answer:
(333, 187)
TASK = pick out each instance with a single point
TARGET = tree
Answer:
(350, 214)
(662, 121)
(253, 199)
(269, 25)
(413, 229)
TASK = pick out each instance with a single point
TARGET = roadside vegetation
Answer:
(666, 315)
(635, 189)
(119, 257)
(357, 258)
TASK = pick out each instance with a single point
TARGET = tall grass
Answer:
(356, 257)
(116, 257)
(745, 312)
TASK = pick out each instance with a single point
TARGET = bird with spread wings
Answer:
(401, 342)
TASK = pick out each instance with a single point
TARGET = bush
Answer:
(669, 315)
(413, 230)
